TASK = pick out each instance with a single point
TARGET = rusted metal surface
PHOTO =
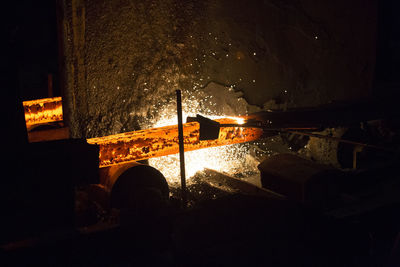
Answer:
(162, 141)
(41, 111)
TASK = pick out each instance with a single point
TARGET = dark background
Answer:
(32, 51)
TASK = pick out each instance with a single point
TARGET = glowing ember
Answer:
(42, 111)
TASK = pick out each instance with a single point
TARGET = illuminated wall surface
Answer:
(125, 59)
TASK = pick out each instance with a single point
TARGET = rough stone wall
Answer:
(135, 54)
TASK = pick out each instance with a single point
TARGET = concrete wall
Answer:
(124, 59)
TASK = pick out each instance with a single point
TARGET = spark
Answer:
(231, 159)
(238, 120)
(228, 159)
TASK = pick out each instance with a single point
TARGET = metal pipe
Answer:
(181, 146)
(337, 139)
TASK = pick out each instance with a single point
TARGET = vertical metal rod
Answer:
(181, 147)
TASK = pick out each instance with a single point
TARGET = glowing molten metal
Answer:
(42, 111)
(156, 142)
(162, 141)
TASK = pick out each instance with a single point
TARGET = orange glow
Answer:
(162, 141)
(41, 111)
(143, 144)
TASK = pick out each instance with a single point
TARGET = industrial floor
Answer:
(222, 229)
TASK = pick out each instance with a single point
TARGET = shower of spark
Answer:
(161, 141)
(231, 159)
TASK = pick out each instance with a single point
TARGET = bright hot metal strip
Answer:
(162, 141)
(41, 111)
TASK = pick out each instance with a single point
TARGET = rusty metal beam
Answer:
(42, 111)
(162, 141)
